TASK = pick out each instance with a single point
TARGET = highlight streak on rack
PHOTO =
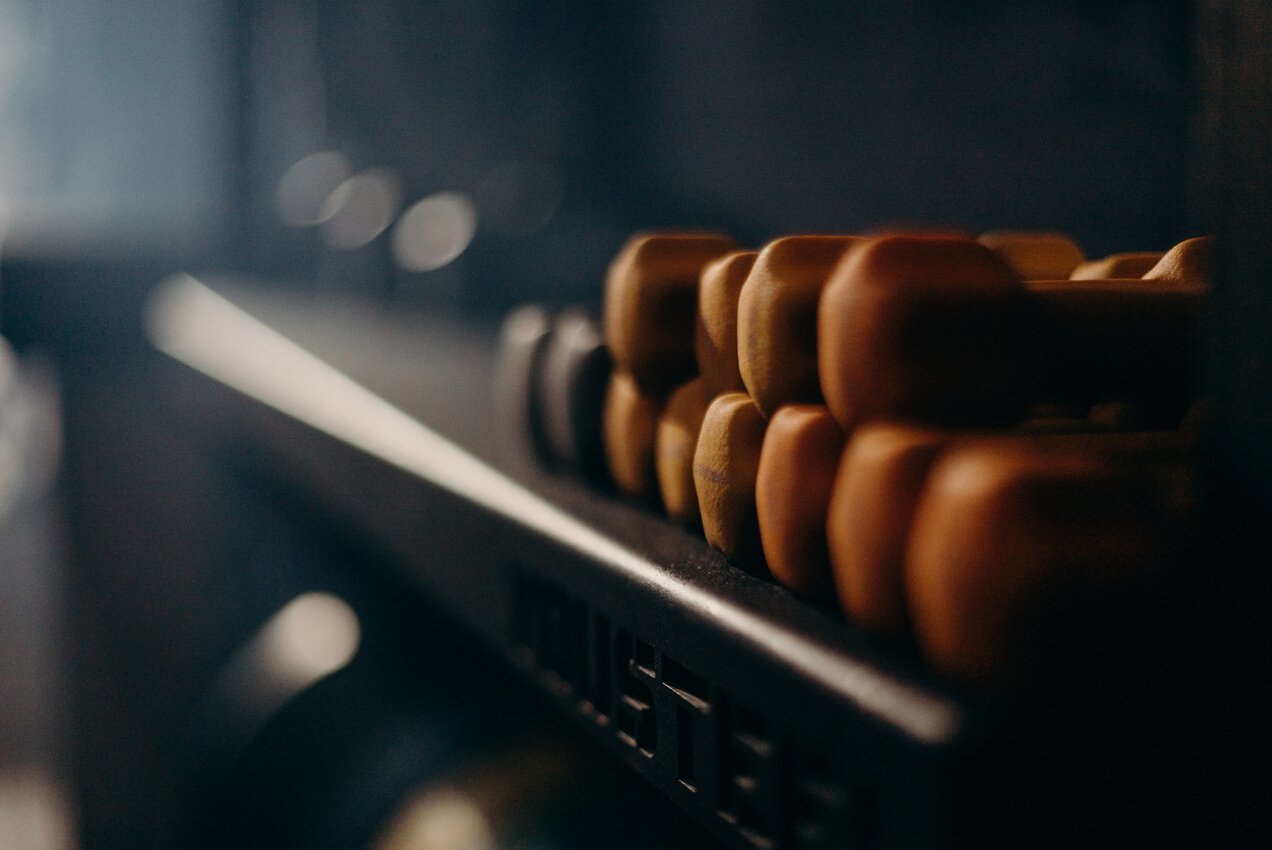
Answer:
(194, 325)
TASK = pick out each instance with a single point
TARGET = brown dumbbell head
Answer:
(651, 305)
(1117, 266)
(1032, 570)
(868, 522)
(792, 490)
(1189, 262)
(725, 465)
(630, 424)
(777, 319)
(1035, 256)
(877, 487)
(674, 449)
(716, 340)
(933, 329)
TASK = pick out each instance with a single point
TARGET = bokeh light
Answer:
(310, 637)
(360, 208)
(304, 188)
(434, 231)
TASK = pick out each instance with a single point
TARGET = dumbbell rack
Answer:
(767, 718)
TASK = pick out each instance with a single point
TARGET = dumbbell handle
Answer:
(1110, 339)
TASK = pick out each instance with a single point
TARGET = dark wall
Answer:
(762, 118)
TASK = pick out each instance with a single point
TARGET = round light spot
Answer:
(439, 819)
(303, 189)
(434, 231)
(360, 208)
(310, 637)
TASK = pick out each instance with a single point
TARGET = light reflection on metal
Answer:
(303, 190)
(308, 639)
(194, 325)
(434, 231)
(360, 208)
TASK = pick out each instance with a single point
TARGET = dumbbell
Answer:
(763, 306)
(878, 483)
(1034, 572)
(716, 336)
(650, 312)
(574, 375)
(1114, 340)
(629, 426)
(777, 319)
(651, 306)
(1186, 262)
(801, 449)
(1189, 262)
(940, 330)
(674, 446)
(1117, 266)
(725, 464)
(870, 508)
(1035, 255)
(523, 343)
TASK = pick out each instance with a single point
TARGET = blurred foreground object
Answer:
(36, 811)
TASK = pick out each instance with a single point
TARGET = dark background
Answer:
(757, 118)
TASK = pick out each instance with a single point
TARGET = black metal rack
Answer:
(768, 719)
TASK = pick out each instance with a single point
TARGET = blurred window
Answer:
(112, 118)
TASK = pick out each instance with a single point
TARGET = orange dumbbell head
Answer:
(1035, 256)
(792, 490)
(934, 329)
(716, 341)
(1115, 266)
(877, 487)
(777, 319)
(725, 465)
(674, 447)
(1188, 262)
(651, 305)
(630, 423)
(1031, 570)
(868, 523)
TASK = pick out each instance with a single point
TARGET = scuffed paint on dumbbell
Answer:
(725, 465)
